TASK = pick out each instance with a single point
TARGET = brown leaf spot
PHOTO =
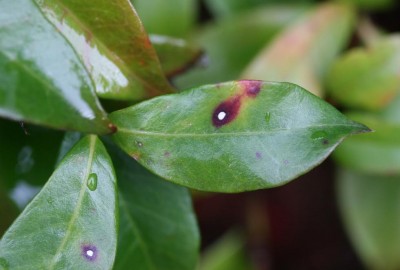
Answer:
(226, 111)
(251, 88)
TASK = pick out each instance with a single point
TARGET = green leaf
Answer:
(158, 228)
(171, 18)
(71, 223)
(110, 39)
(223, 8)
(367, 77)
(176, 55)
(234, 136)
(227, 253)
(29, 153)
(370, 207)
(228, 52)
(377, 152)
(41, 79)
(303, 53)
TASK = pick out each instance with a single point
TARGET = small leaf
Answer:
(68, 225)
(367, 78)
(176, 55)
(158, 228)
(110, 39)
(370, 207)
(234, 136)
(171, 18)
(377, 152)
(303, 53)
(227, 52)
(41, 79)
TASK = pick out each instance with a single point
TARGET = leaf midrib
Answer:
(227, 134)
(79, 203)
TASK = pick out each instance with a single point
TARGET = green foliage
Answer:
(62, 61)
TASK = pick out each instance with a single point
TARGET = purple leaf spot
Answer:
(167, 154)
(325, 142)
(226, 112)
(252, 88)
(89, 252)
(258, 155)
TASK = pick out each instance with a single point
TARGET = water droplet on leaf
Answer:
(92, 182)
(267, 117)
(221, 115)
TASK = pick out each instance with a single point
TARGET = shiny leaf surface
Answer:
(226, 52)
(176, 55)
(234, 136)
(303, 53)
(41, 79)
(158, 228)
(171, 18)
(110, 39)
(71, 223)
(367, 78)
(370, 206)
(377, 152)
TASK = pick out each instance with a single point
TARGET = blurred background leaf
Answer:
(370, 206)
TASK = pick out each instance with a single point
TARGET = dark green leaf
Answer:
(41, 79)
(377, 152)
(230, 44)
(8, 212)
(112, 43)
(303, 53)
(367, 78)
(171, 18)
(158, 228)
(176, 55)
(370, 4)
(234, 136)
(370, 206)
(71, 223)
(28, 153)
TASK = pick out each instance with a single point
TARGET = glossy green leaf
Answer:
(230, 44)
(158, 228)
(303, 53)
(233, 136)
(227, 253)
(41, 79)
(377, 152)
(71, 223)
(370, 207)
(110, 39)
(176, 55)
(23, 156)
(367, 78)
(171, 18)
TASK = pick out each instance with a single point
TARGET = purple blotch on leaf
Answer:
(226, 112)
(258, 155)
(252, 88)
(89, 252)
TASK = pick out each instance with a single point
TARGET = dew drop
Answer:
(319, 135)
(4, 264)
(89, 252)
(267, 117)
(92, 182)
(139, 144)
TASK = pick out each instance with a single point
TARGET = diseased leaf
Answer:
(176, 55)
(234, 136)
(41, 79)
(158, 228)
(303, 53)
(370, 207)
(110, 39)
(367, 78)
(377, 152)
(71, 223)
(230, 44)
(171, 18)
